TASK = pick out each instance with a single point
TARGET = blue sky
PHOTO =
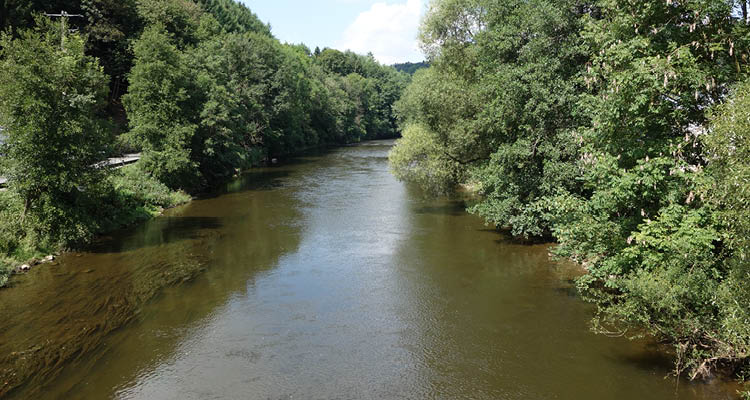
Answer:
(387, 28)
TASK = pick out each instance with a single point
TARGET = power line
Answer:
(63, 15)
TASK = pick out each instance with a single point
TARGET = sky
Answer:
(387, 28)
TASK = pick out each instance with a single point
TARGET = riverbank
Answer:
(133, 196)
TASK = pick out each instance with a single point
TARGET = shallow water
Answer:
(321, 279)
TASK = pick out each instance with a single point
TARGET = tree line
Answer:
(618, 129)
(410, 67)
(201, 88)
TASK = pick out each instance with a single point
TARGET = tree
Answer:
(21, 13)
(651, 244)
(110, 27)
(160, 109)
(728, 149)
(235, 17)
(419, 158)
(499, 100)
(51, 101)
(341, 63)
(435, 148)
(180, 18)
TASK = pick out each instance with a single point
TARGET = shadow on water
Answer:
(159, 232)
(504, 236)
(270, 178)
(652, 357)
(568, 291)
(452, 208)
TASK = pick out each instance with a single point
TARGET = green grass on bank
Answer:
(141, 196)
(128, 196)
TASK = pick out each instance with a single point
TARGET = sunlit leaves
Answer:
(50, 105)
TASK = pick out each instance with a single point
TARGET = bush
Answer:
(16, 243)
(133, 184)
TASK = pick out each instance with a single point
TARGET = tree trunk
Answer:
(744, 11)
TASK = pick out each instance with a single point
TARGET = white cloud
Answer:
(389, 31)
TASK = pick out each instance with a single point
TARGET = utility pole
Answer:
(63, 18)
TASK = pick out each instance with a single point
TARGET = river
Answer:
(324, 278)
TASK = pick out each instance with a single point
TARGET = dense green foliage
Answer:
(235, 17)
(54, 137)
(205, 101)
(410, 67)
(498, 102)
(613, 128)
(655, 251)
(727, 191)
(201, 88)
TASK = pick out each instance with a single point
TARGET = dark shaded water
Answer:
(322, 279)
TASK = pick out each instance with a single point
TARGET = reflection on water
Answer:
(324, 278)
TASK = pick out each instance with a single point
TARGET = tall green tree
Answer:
(498, 101)
(111, 25)
(160, 109)
(51, 101)
(180, 18)
(728, 149)
(235, 17)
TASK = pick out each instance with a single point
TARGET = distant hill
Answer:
(411, 68)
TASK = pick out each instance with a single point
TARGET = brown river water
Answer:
(324, 278)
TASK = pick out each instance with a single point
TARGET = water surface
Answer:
(321, 279)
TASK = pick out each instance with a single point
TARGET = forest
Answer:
(619, 130)
(202, 89)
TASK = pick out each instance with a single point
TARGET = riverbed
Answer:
(322, 278)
